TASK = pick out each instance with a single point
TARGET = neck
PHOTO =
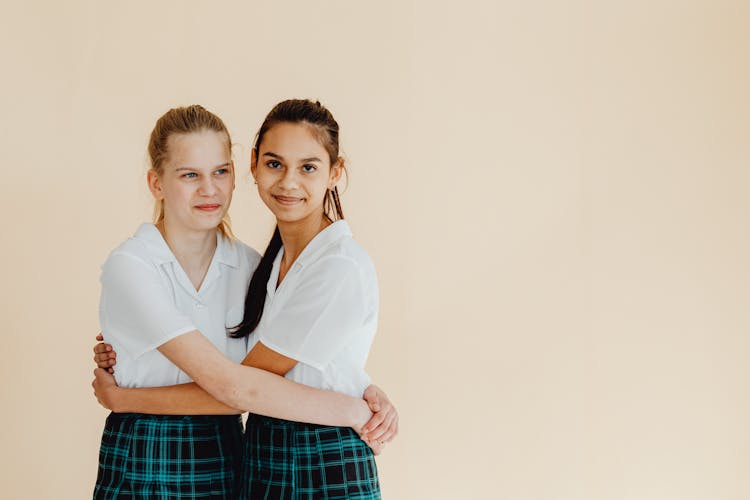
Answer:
(194, 250)
(296, 235)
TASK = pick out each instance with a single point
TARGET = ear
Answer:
(337, 170)
(154, 185)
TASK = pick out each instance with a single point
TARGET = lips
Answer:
(287, 200)
(208, 207)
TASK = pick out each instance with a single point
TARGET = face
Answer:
(293, 172)
(197, 181)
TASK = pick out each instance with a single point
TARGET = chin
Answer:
(207, 224)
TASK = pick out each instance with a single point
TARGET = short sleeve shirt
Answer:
(147, 300)
(324, 313)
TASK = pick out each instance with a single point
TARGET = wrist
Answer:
(114, 400)
(361, 415)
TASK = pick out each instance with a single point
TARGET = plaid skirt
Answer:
(169, 457)
(295, 461)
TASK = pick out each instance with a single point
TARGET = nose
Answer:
(207, 186)
(289, 180)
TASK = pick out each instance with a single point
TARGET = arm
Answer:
(138, 311)
(230, 387)
(380, 429)
(182, 399)
(256, 390)
(190, 399)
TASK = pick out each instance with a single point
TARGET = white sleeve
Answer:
(326, 309)
(137, 309)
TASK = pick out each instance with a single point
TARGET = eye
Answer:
(309, 168)
(273, 164)
(189, 175)
(221, 171)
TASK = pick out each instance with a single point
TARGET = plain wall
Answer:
(554, 194)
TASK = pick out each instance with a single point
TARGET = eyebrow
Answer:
(195, 168)
(304, 160)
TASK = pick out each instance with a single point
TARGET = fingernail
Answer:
(109, 348)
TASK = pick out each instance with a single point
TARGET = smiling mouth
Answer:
(287, 200)
(208, 207)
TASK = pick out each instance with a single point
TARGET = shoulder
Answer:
(139, 254)
(341, 260)
(137, 247)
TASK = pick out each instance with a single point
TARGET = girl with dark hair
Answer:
(168, 294)
(311, 310)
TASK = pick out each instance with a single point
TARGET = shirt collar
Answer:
(325, 238)
(227, 252)
(328, 236)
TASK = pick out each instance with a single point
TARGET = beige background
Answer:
(555, 195)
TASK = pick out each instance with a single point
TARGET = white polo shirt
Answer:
(147, 299)
(325, 312)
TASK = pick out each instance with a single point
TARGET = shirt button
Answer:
(199, 305)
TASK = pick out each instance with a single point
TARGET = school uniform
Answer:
(147, 299)
(324, 315)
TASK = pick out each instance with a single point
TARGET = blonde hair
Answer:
(183, 120)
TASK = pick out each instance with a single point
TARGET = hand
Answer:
(104, 356)
(104, 388)
(383, 426)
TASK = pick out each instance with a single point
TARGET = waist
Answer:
(193, 420)
(261, 421)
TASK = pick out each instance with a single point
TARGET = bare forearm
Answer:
(262, 392)
(259, 391)
(183, 399)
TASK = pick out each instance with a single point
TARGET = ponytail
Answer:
(256, 292)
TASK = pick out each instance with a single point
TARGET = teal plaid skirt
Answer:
(295, 461)
(169, 457)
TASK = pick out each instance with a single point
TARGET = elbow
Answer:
(242, 398)
(232, 388)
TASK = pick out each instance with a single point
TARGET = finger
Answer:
(386, 426)
(99, 337)
(377, 424)
(375, 447)
(376, 420)
(105, 356)
(391, 431)
(102, 347)
(111, 370)
(386, 438)
(373, 400)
